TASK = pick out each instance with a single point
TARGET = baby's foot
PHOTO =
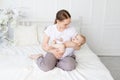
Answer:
(35, 56)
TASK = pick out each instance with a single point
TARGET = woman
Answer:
(62, 32)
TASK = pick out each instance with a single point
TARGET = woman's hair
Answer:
(62, 15)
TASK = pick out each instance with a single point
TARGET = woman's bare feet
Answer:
(35, 56)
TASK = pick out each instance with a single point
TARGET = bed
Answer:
(16, 65)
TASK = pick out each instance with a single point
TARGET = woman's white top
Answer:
(65, 35)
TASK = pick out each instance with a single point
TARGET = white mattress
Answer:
(15, 65)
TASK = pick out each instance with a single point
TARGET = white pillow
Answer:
(25, 36)
(40, 31)
(41, 28)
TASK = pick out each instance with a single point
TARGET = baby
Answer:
(78, 39)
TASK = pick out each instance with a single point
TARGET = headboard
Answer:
(27, 22)
(32, 22)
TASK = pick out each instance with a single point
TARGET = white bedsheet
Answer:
(15, 65)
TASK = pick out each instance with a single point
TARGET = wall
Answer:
(100, 19)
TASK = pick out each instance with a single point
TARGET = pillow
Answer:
(25, 36)
(40, 32)
(41, 28)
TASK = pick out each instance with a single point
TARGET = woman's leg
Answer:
(47, 63)
(67, 63)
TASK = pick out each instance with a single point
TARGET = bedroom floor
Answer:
(113, 64)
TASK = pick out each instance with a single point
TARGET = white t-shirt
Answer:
(65, 35)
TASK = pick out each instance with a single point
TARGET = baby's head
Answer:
(79, 39)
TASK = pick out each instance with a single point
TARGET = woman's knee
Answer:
(69, 67)
(67, 64)
(46, 68)
(45, 64)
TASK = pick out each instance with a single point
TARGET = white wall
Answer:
(100, 19)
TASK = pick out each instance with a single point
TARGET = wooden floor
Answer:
(113, 64)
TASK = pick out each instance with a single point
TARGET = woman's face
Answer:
(65, 23)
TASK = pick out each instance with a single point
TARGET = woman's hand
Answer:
(57, 53)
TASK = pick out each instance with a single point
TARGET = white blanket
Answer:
(15, 65)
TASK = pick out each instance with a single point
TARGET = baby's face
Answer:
(78, 39)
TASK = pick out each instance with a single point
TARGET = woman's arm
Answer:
(50, 49)
(45, 45)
